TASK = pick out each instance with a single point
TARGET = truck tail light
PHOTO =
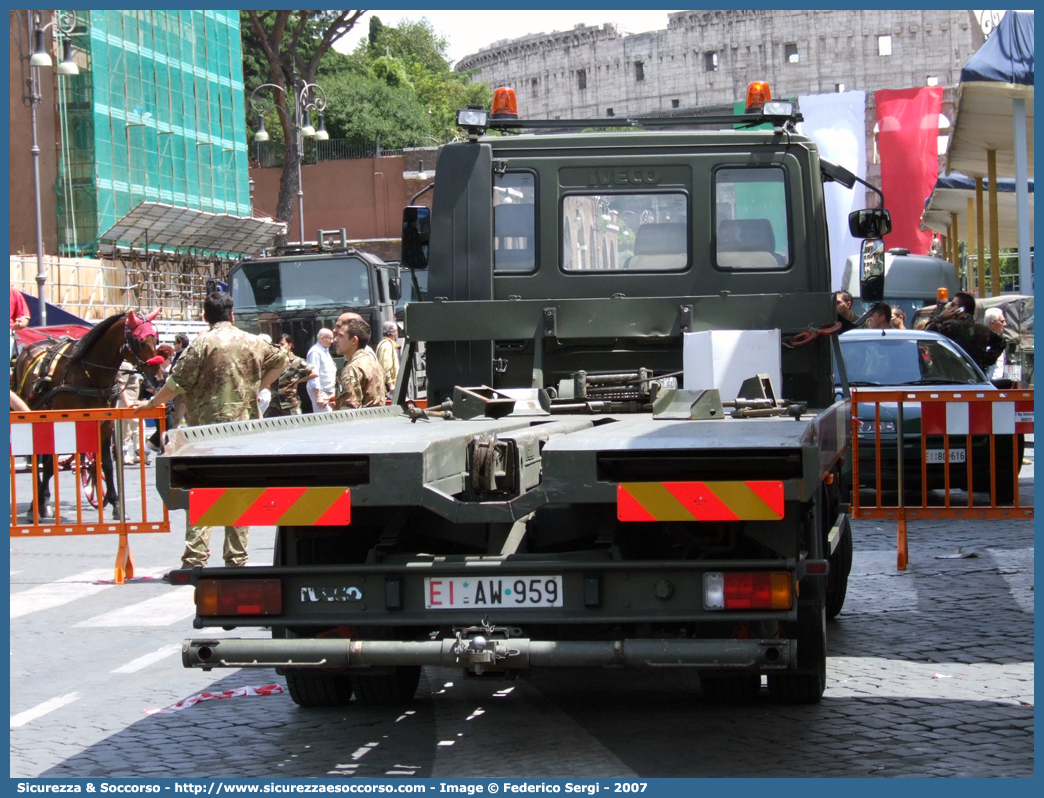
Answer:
(223, 598)
(760, 590)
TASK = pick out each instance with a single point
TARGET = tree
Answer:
(285, 48)
(438, 88)
(364, 110)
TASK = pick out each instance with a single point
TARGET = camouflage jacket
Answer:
(220, 374)
(388, 357)
(284, 397)
(361, 382)
(982, 344)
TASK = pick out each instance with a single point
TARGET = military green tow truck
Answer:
(613, 467)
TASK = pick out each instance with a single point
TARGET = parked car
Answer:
(916, 359)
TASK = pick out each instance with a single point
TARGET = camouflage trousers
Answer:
(197, 546)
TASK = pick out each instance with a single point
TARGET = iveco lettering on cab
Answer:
(630, 455)
(637, 177)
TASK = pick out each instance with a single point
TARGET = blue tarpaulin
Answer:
(55, 315)
(1007, 56)
(963, 182)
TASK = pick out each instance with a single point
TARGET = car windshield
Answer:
(906, 361)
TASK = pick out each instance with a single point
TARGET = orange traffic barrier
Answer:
(74, 439)
(965, 439)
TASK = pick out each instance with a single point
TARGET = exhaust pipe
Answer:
(479, 654)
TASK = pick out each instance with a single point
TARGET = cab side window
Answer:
(752, 219)
(514, 222)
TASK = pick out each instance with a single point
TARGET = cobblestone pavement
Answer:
(930, 674)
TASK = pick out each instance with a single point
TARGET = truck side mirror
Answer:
(416, 230)
(872, 270)
(870, 223)
(395, 288)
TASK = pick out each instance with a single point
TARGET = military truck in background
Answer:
(300, 288)
(631, 452)
(910, 281)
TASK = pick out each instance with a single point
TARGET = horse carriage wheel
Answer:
(89, 477)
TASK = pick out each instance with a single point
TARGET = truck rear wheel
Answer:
(837, 579)
(318, 689)
(729, 688)
(386, 689)
(807, 685)
(841, 560)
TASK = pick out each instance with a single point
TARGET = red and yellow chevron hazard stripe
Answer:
(699, 501)
(270, 506)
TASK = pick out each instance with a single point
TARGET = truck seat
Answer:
(659, 246)
(747, 244)
(513, 226)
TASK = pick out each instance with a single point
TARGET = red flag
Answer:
(907, 142)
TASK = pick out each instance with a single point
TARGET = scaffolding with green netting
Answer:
(156, 114)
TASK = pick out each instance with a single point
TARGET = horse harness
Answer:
(44, 365)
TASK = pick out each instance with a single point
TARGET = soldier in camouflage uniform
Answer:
(957, 322)
(285, 401)
(388, 355)
(361, 381)
(220, 374)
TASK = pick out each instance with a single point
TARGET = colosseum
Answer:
(706, 58)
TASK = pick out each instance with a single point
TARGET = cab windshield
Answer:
(298, 284)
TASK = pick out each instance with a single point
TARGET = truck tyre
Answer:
(318, 689)
(387, 689)
(729, 688)
(807, 685)
(837, 579)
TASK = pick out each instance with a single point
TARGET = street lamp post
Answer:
(32, 96)
(307, 98)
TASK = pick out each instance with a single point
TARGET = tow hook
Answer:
(483, 649)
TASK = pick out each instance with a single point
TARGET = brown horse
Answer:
(83, 375)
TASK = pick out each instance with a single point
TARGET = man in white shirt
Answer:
(996, 323)
(321, 389)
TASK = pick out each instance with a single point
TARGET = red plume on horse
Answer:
(83, 374)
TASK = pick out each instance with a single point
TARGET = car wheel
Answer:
(1007, 474)
(1006, 486)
